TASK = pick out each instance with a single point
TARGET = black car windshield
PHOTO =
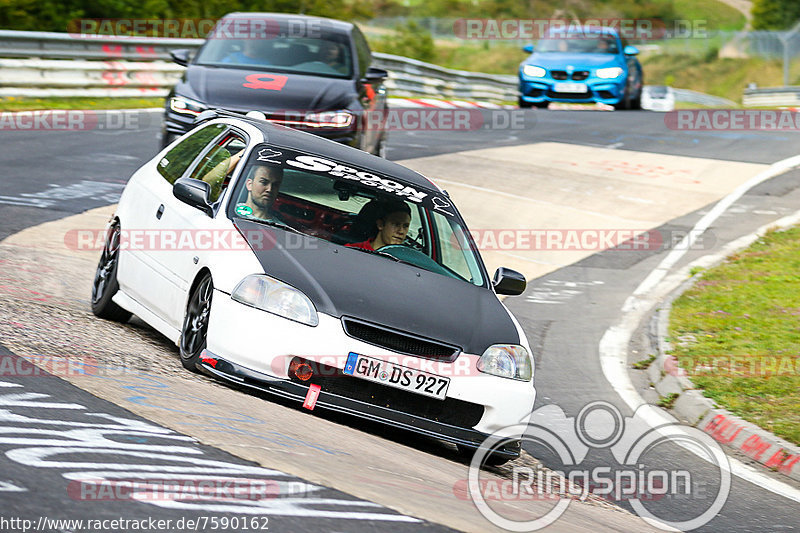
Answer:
(328, 54)
(579, 44)
(356, 208)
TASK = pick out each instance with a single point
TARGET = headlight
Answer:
(608, 73)
(329, 119)
(534, 72)
(186, 106)
(507, 361)
(276, 297)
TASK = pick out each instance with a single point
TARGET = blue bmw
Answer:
(581, 65)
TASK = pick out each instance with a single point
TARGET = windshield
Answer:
(579, 44)
(356, 208)
(329, 55)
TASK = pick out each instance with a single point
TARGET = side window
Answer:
(455, 250)
(176, 161)
(217, 166)
(362, 51)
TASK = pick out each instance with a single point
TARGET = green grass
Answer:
(644, 363)
(10, 103)
(719, 16)
(745, 317)
(669, 400)
(720, 77)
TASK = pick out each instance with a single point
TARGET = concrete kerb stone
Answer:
(726, 428)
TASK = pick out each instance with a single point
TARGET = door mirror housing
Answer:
(180, 56)
(631, 50)
(528, 48)
(374, 74)
(509, 282)
(194, 193)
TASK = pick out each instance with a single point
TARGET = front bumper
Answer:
(254, 349)
(176, 124)
(598, 90)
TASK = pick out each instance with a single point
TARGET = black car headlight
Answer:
(186, 106)
(329, 119)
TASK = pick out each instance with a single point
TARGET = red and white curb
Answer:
(697, 410)
(444, 104)
(466, 104)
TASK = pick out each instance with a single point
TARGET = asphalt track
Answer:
(572, 299)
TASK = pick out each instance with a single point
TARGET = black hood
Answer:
(226, 88)
(342, 281)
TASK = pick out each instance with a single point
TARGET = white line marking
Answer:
(613, 346)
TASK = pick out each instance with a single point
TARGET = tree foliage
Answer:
(775, 14)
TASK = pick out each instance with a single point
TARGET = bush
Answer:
(410, 40)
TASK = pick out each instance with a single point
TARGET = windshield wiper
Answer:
(278, 224)
(384, 254)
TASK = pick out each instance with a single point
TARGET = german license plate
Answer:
(570, 87)
(397, 376)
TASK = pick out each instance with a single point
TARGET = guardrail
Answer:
(694, 97)
(120, 66)
(772, 96)
(42, 64)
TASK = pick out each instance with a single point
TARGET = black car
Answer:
(310, 73)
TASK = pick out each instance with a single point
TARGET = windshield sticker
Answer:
(319, 164)
(267, 155)
(243, 210)
(273, 82)
(441, 205)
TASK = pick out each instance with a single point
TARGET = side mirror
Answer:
(510, 282)
(528, 48)
(194, 193)
(180, 56)
(631, 50)
(375, 74)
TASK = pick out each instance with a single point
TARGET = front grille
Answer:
(559, 74)
(534, 92)
(399, 341)
(569, 96)
(448, 411)
(580, 75)
(605, 94)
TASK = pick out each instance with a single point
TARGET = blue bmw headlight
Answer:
(534, 71)
(609, 73)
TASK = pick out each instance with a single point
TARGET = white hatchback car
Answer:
(291, 264)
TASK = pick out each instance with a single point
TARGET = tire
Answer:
(104, 285)
(636, 103)
(542, 105)
(625, 101)
(523, 104)
(195, 323)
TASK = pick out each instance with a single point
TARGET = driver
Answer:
(263, 183)
(392, 225)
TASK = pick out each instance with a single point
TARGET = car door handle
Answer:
(160, 211)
